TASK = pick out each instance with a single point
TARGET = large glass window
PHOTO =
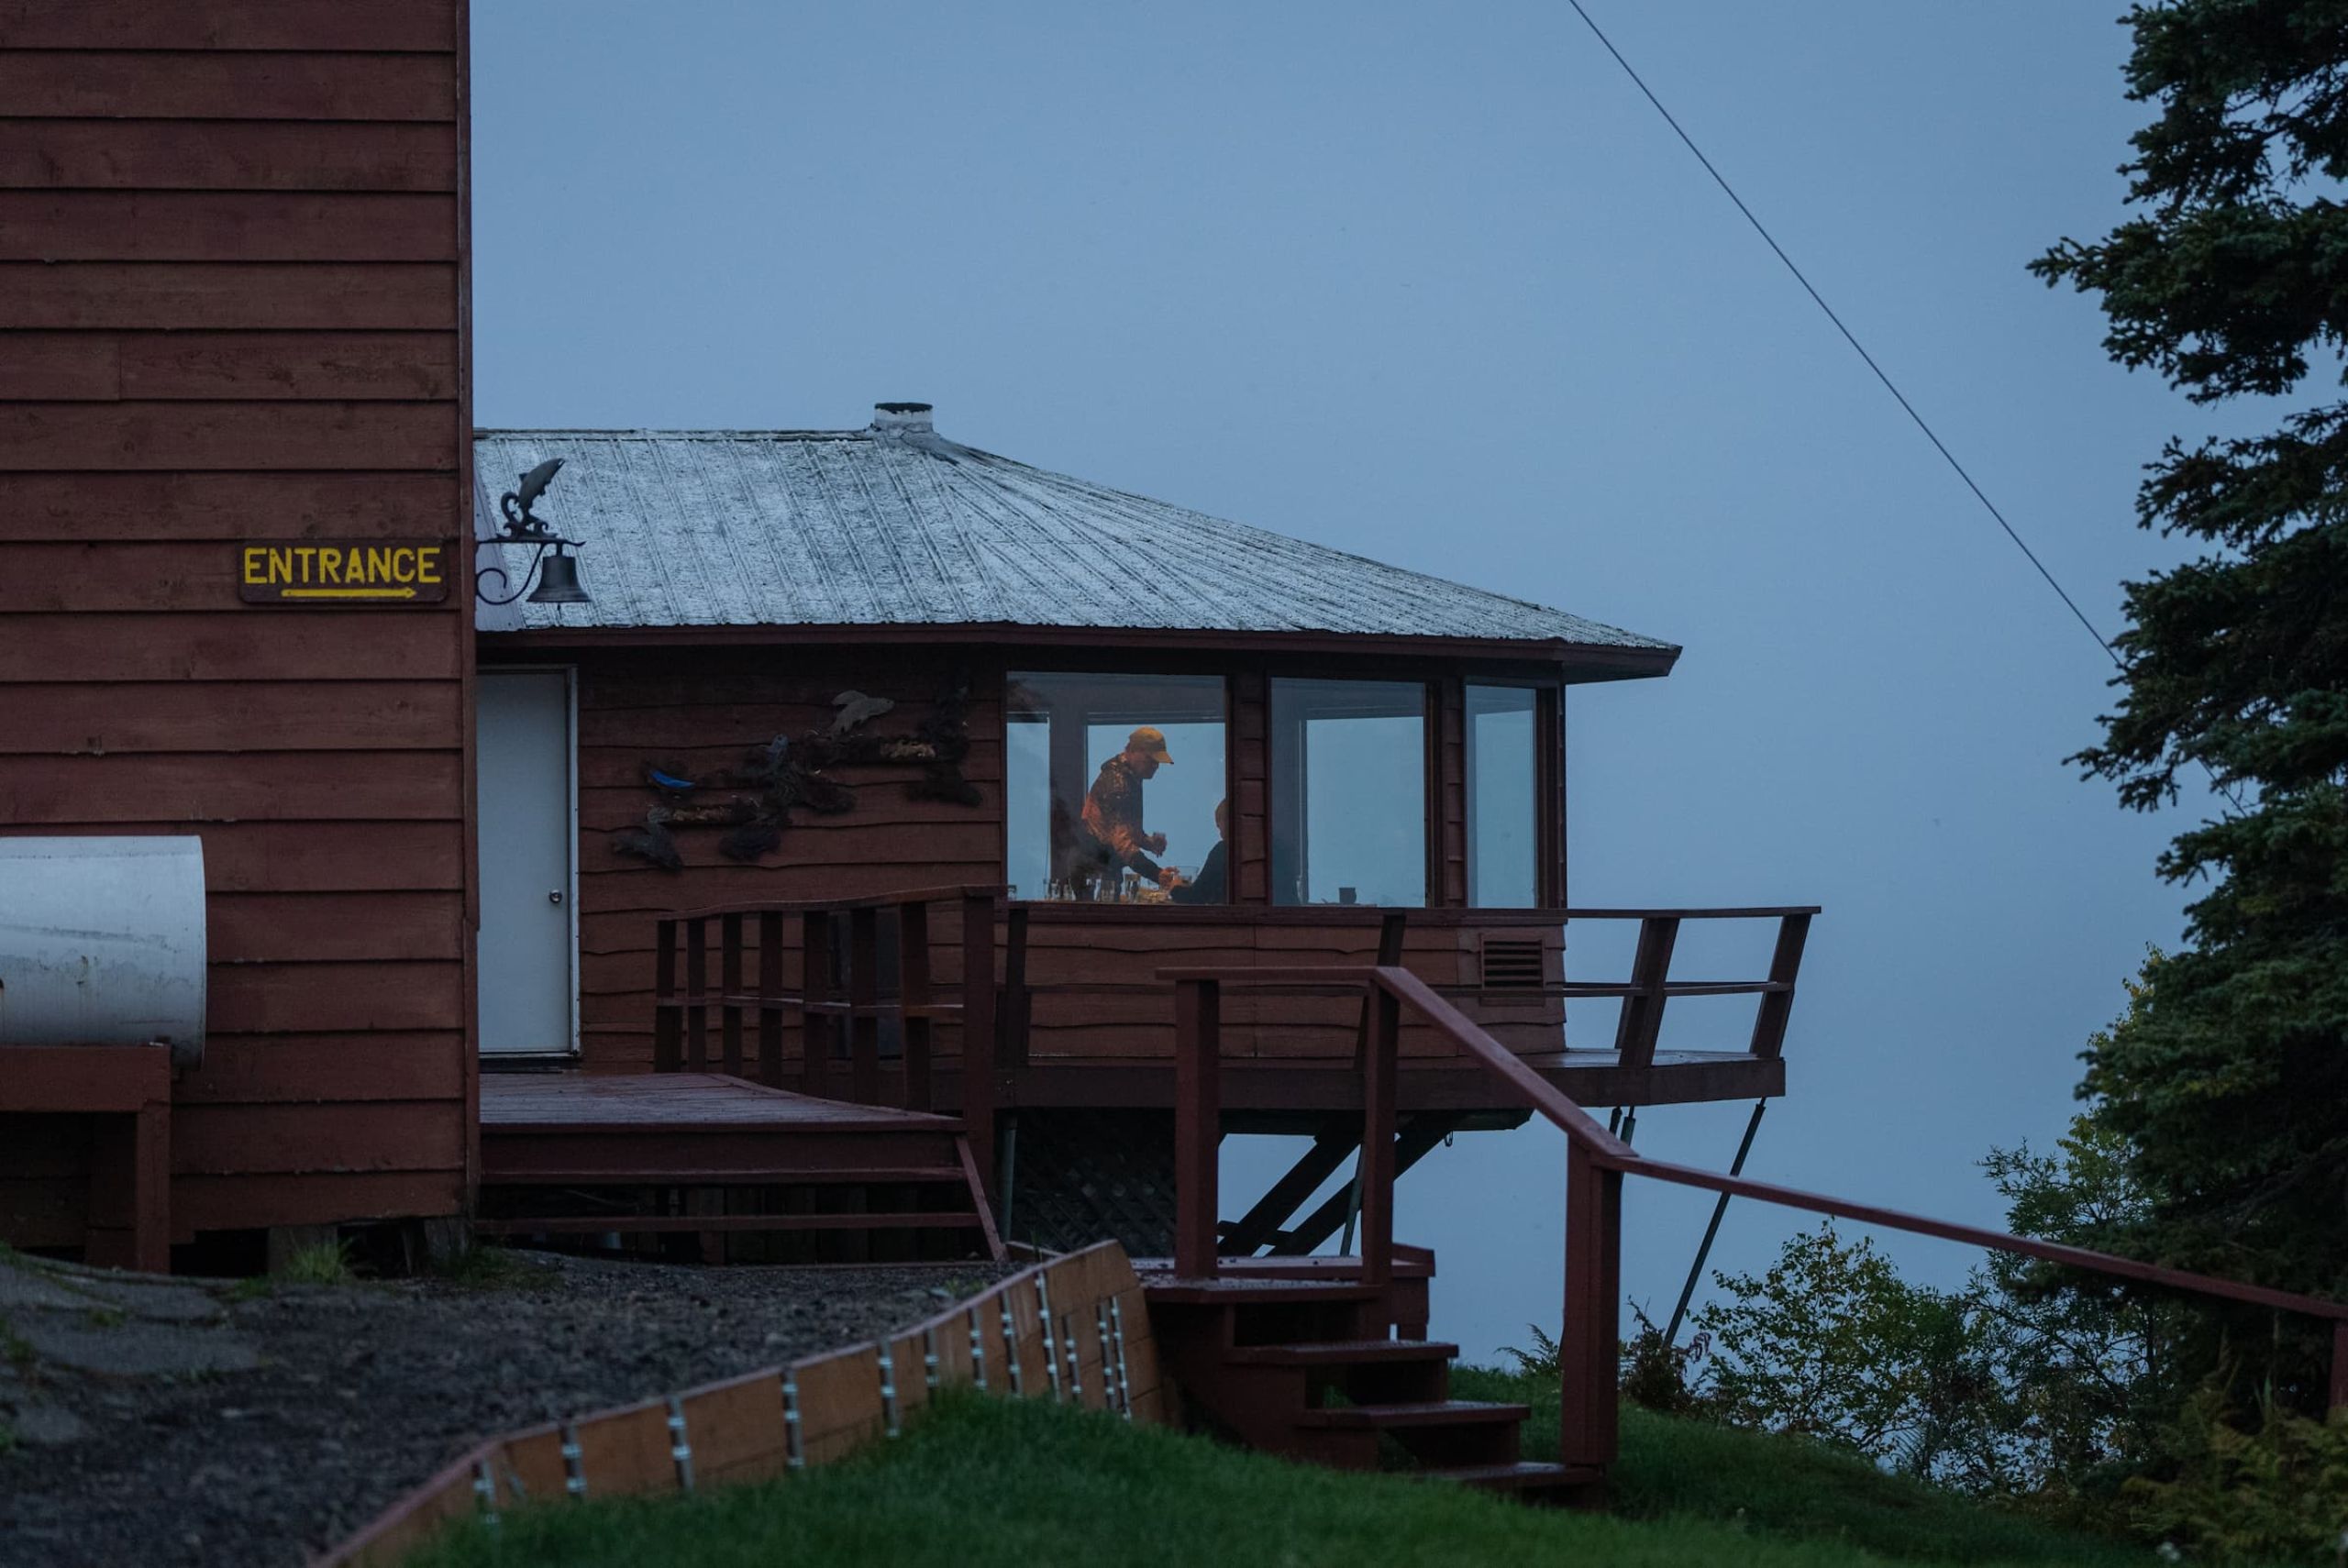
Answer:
(1116, 789)
(1349, 782)
(1504, 871)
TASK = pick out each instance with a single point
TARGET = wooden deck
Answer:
(691, 1147)
(534, 1102)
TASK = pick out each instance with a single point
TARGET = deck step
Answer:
(1432, 1413)
(1342, 1352)
(1522, 1477)
(1222, 1290)
(721, 1224)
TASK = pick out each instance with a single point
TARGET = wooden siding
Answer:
(232, 307)
(705, 708)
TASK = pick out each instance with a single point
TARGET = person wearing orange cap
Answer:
(1114, 837)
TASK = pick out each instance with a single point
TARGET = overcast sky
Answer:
(1435, 286)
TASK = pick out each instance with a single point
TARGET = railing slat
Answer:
(864, 992)
(667, 1027)
(729, 980)
(1641, 1024)
(913, 992)
(1785, 963)
(771, 988)
(815, 987)
(697, 982)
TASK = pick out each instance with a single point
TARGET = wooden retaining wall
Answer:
(1074, 1331)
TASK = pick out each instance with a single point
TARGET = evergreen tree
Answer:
(2228, 1081)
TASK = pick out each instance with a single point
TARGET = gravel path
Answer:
(167, 1422)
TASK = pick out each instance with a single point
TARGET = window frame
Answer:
(1247, 686)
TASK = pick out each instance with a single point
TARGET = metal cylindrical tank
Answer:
(101, 942)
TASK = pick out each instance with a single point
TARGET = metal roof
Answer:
(895, 526)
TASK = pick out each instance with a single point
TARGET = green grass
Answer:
(999, 1484)
(327, 1262)
(489, 1267)
(1792, 1487)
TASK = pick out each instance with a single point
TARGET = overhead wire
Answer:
(2227, 791)
(1848, 336)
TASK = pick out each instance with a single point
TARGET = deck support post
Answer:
(1198, 1124)
(1374, 1188)
(1590, 1348)
(2339, 1400)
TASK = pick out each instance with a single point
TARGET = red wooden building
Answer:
(234, 330)
(900, 838)
(831, 666)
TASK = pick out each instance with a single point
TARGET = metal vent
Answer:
(1512, 964)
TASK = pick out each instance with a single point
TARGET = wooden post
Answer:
(815, 991)
(1014, 1017)
(1198, 1124)
(1785, 963)
(668, 1025)
(697, 994)
(1377, 1168)
(912, 1001)
(864, 1006)
(1642, 1022)
(150, 1183)
(1390, 956)
(771, 987)
(981, 1009)
(2339, 1365)
(729, 984)
(1590, 1348)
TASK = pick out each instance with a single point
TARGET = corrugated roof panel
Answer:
(898, 526)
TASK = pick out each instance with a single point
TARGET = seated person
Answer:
(1212, 884)
(1110, 840)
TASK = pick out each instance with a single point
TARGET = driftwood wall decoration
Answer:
(753, 802)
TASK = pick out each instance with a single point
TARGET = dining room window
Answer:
(1348, 793)
(1116, 789)
(1502, 796)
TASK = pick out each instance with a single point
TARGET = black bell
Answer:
(559, 581)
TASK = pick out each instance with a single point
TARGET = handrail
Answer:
(1597, 1160)
(938, 895)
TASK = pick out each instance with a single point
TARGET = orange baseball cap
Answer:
(1149, 740)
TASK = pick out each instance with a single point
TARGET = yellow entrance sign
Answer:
(309, 571)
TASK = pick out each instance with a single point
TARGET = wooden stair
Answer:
(743, 1171)
(1287, 1356)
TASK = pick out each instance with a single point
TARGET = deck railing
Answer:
(1644, 993)
(1650, 985)
(841, 1002)
(1596, 1162)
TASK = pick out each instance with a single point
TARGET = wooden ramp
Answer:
(706, 1155)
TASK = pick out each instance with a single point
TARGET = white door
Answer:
(527, 827)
